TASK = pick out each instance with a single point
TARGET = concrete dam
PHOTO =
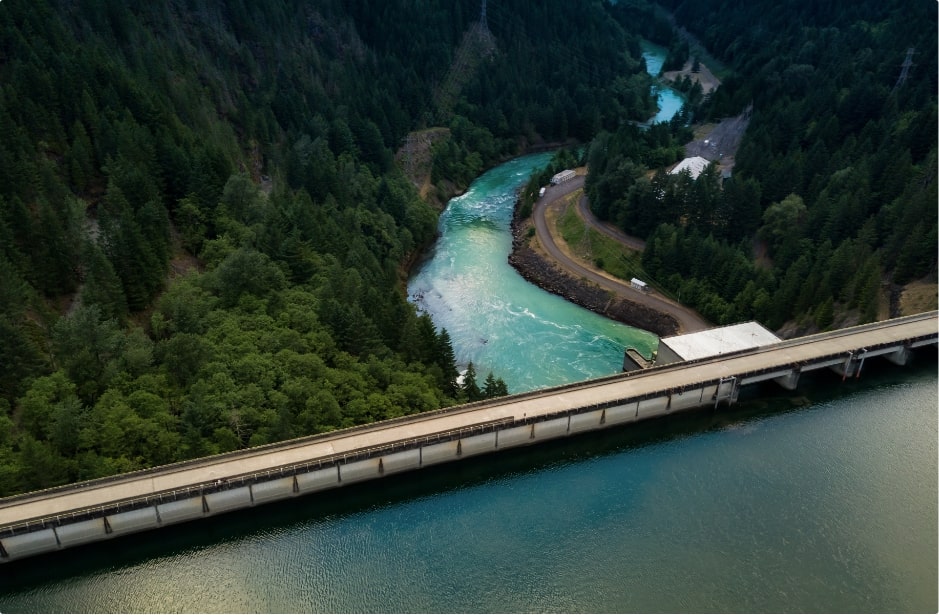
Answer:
(58, 518)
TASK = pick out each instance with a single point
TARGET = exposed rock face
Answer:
(546, 275)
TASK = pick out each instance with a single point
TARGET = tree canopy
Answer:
(833, 195)
(203, 233)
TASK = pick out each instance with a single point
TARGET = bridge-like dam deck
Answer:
(848, 344)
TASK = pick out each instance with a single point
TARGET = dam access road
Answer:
(689, 321)
(65, 516)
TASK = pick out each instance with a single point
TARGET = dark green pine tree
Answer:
(55, 252)
(446, 360)
(470, 387)
(102, 286)
(140, 271)
(494, 387)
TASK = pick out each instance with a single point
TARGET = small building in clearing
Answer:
(563, 176)
(694, 165)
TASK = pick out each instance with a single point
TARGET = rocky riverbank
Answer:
(545, 274)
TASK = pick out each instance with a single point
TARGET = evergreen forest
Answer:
(831, 206)
(204, 235)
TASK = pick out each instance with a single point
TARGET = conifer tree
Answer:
(470, 388)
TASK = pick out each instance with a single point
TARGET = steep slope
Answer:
(258, 139)
(835, 179)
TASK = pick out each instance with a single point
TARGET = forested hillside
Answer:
(832, 203)
(202, 230)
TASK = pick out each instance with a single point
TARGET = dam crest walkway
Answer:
(84, 512)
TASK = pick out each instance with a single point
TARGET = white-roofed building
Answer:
(714, 342)
(694, 165)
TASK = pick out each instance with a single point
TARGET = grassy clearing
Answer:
(918, 297)
(599, 250)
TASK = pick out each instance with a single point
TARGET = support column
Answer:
(900, 357)
(846, 369)
(722, 387)
(789, 382)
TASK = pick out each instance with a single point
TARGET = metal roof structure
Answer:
(720, 340)
(563, 176)
(694, 165)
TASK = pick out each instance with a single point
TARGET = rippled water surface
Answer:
(769, 506)
(497, 320)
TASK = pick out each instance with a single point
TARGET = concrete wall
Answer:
(656, 406)
(476, 445)
(666, 355)
(360, 470)
(403, 461)
(80, 533)
(272, 490)
(34, 543)
(230, 499)
(626, 413)
(317, 480)
(790, 381)
(899, 357)
(439, 453)
(181, 510)
(684, 400)
(727, 390)
(515, 436)
(553, 428)
(134, 521)
(586, 421)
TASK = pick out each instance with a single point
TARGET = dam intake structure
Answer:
(77, 514)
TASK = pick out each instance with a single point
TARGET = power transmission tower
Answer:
(478, 44)
(907, 63)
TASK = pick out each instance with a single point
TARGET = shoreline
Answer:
(548, 275)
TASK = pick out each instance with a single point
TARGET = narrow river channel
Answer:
(524, 335)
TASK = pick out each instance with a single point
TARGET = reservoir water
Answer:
(825, 502)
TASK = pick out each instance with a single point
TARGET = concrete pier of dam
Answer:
(72, 515)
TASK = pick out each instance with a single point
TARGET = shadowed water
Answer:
(825, 507)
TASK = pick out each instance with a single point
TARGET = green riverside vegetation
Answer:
(203, 233)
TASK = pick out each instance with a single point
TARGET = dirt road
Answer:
(688, 319)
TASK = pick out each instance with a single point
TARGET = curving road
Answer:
(688, 320)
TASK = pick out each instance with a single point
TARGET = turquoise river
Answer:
(528, 337)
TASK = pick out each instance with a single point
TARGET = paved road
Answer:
(549, 401)
(587, 215)
(688, 320)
